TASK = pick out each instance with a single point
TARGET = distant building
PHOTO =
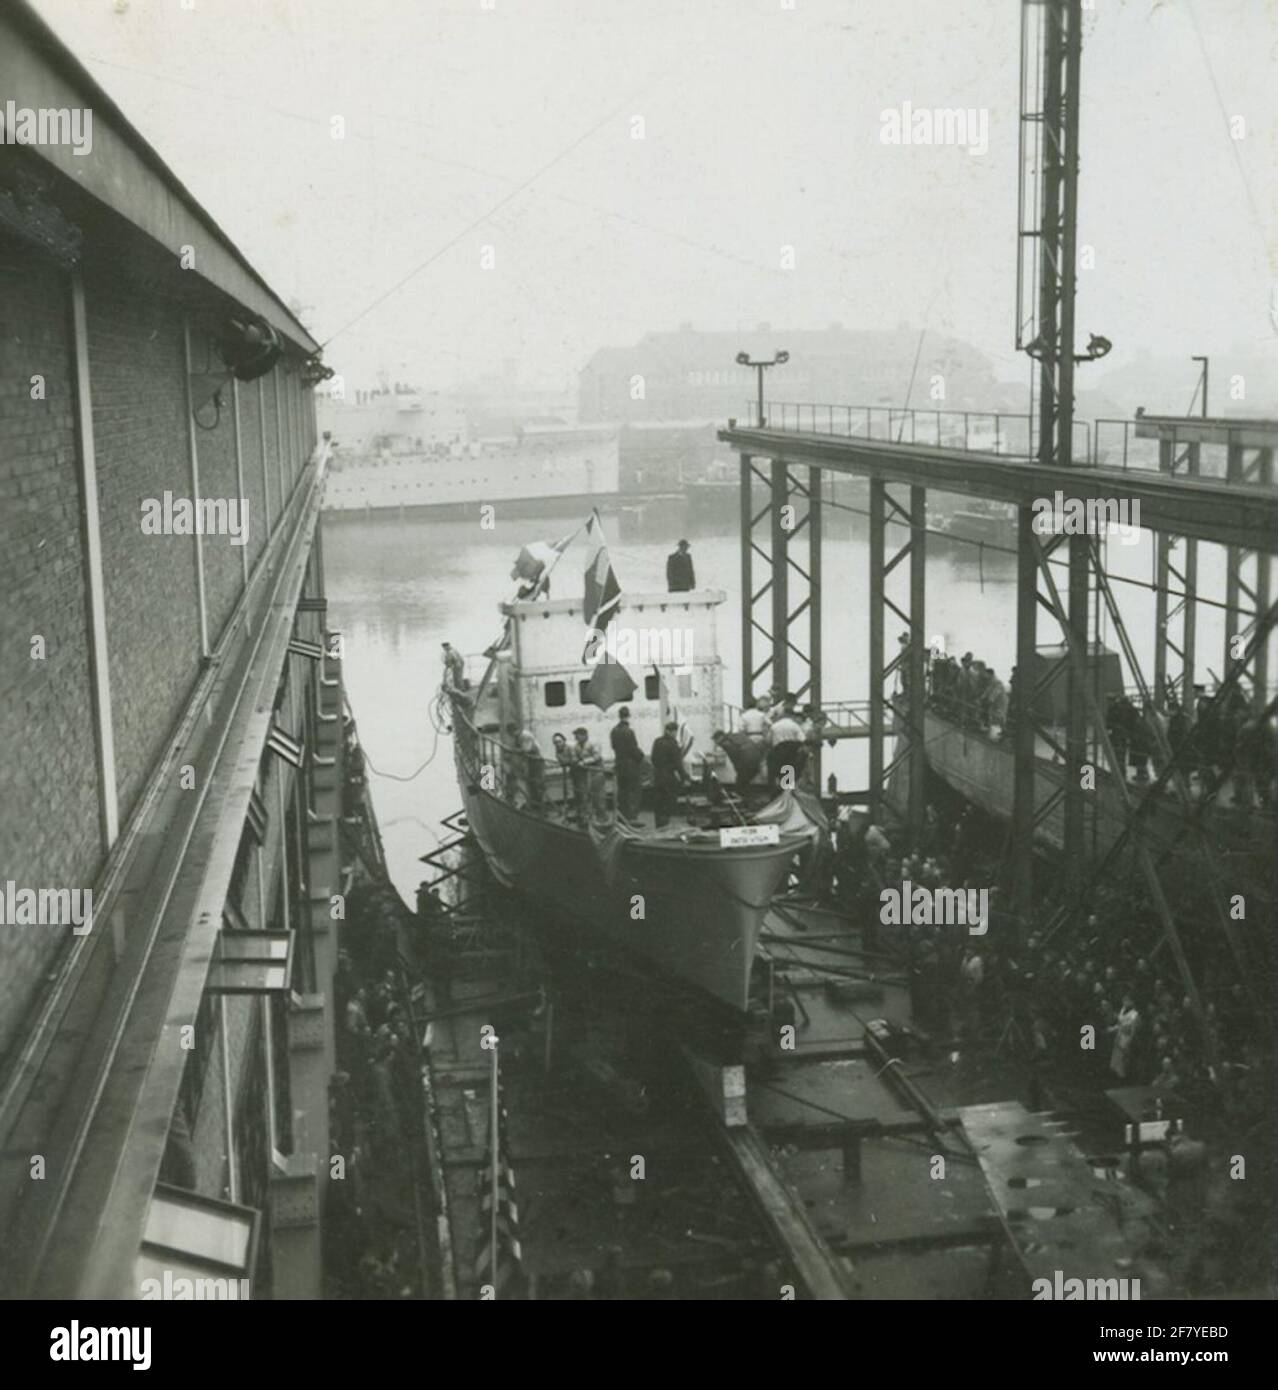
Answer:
(693, 375)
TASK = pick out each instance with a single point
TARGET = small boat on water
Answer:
(689, 896)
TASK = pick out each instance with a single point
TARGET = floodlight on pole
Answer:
(760, 366)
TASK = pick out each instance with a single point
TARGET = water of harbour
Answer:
(399, 586)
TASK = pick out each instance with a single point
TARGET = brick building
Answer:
(171, 712)
(693, 375)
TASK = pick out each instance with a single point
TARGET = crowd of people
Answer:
(375, 1104)
(968, 691)
(581, 792)
(773, 736)
(769, 750)
(1220, 738)
(1106, 973)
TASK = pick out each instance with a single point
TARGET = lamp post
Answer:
(1204, 361)
(760, 367)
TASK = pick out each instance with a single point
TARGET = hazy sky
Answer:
(512, 127)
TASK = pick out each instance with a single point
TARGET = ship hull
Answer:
(982, 770)
(702, 907)
(550, 505)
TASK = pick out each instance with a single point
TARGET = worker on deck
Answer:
(627, 763)
(587, 775)
(668, 773)
(788, 755)
(454, 667)
(563, 760)
(755, 723)
(533, 767)
(742, 751)
(680, 575)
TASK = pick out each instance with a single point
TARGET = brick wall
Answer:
(139, 421)
(251, 435)
(215, 446)
(49, 833)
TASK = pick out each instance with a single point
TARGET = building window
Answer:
(583, 691)
(556, 695)
(652, 687)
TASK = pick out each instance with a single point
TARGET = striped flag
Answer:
(603, 593)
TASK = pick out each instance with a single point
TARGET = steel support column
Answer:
(878, 498)
(747, 579)
(815, 652)
(917, 663)
(1076, 706)
(1175, 616)
(1248, 465)
(793, 503)
(780, 574)
(1023, 741)
(898, 684)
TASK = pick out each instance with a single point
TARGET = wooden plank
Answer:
(820, 1270)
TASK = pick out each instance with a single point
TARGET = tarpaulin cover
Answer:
(790, 812)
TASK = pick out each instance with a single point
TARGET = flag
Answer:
(611, 682)
(533, 565)
(670, 710)
(603, 593)
(535, 560)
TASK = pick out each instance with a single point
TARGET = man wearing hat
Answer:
(668, 773)
(627, 764)
(680, 576)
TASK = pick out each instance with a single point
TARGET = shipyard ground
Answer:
(662, 1153)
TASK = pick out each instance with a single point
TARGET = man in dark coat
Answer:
(668, 773)
(627, 764)
(744, 753)
(680, 576)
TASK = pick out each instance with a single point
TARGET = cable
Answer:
(485, 216)
(395, 777)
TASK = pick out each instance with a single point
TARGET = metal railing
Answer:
(1106, 442)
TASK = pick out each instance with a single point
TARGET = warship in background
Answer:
(405, 450)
